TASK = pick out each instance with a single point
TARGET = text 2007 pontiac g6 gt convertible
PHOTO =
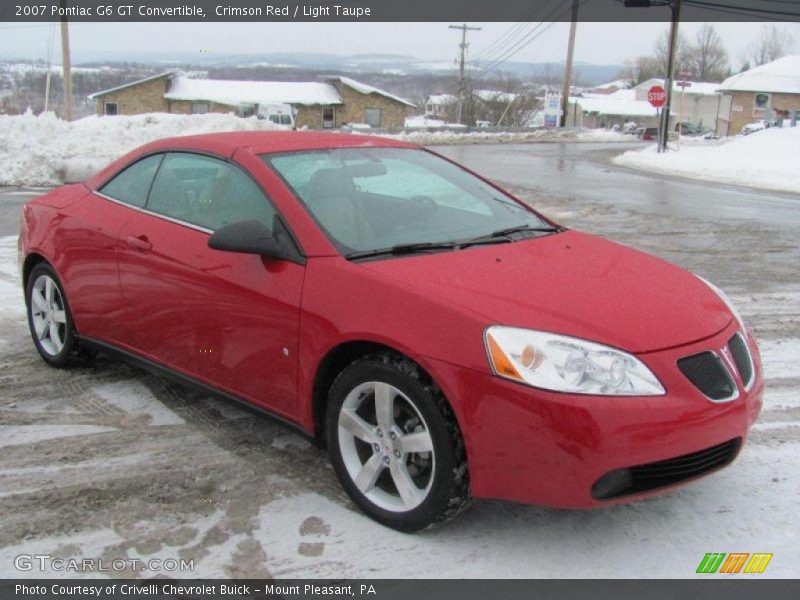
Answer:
(440, 337)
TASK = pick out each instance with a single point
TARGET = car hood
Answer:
(570, 283)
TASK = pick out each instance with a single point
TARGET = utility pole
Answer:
(49, 66)
(562, 121)
(462, 80)
(66, 65)
(675, 7)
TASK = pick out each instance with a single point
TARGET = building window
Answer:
(761, 103)
(328, 117)
(110, 108)
(372, 117)
(247, 110)
(199, 108)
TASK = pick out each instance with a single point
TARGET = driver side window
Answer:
(207, 192)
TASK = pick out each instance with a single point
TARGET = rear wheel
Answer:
(50, 320)
(395, 444)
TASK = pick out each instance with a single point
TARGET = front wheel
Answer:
(50, 320)
(395, 444)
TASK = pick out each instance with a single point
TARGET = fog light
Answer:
(611, 484)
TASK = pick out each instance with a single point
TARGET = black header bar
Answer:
(390, 10)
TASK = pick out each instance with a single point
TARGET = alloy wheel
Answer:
(48, 315)
(386, 446)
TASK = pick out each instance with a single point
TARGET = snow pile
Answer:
(766, 159)
(45, 150)
(421, 121)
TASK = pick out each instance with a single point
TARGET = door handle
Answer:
(140, 243)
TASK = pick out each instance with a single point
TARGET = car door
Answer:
(90, 244)
(230, 320)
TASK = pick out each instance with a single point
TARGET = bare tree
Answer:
(683, 53)
(708, 59)
(772, 44)
(647, 67)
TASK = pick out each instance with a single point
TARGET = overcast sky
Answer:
(600, 43)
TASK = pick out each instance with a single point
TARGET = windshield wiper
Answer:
(503, 235)
(520, 228)
(404, 249)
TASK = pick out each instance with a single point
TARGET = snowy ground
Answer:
(38, 150)
(107, 461)
(766, 159)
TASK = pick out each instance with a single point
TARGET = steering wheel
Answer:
(414, 211)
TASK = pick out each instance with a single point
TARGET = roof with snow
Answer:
(495, 96)
(441, 99)
(235, 93)
(700, 88)
(780, 76)
(621, 84)
(615, 106)
(132, 83)
(368, 89)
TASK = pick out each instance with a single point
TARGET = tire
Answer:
(50, 320)
(417, 443)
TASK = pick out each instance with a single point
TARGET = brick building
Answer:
(771, 90)
(327, 104)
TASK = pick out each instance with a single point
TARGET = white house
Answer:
(437, 105)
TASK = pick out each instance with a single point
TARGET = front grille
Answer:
(643, 478)
(709, 375)
(741, 356)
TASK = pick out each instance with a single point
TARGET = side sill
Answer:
(194, 384)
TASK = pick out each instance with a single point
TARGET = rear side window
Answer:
(132, 185)
(207, 192)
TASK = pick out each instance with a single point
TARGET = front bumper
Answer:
(539, 447)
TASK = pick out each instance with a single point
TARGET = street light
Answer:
(675, 7)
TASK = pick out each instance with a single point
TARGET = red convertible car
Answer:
(442, 339)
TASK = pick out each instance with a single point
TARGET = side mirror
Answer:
(248, 237)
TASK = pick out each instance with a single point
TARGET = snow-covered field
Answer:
(766, 159)
(37, 150)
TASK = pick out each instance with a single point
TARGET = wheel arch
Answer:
(336, 360)
(30, 262)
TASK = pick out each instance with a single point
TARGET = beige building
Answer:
(697, 103)
(328, 104)
(771, 90)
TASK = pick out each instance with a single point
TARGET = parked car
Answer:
(647, 134)
(441, 338)
(692, 129)
(762, 124)
(753, 127)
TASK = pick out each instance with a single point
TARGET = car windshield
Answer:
(368, 199)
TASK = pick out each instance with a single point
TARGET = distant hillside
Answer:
(389, 64)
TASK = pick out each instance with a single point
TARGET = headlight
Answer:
(724, 297)
(566, 364)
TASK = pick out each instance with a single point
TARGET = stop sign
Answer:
(657, 96)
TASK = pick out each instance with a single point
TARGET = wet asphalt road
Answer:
(583, 171)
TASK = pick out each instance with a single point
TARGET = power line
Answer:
(512, 34)
(742, 9)
(530, 19)
(528, 39)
